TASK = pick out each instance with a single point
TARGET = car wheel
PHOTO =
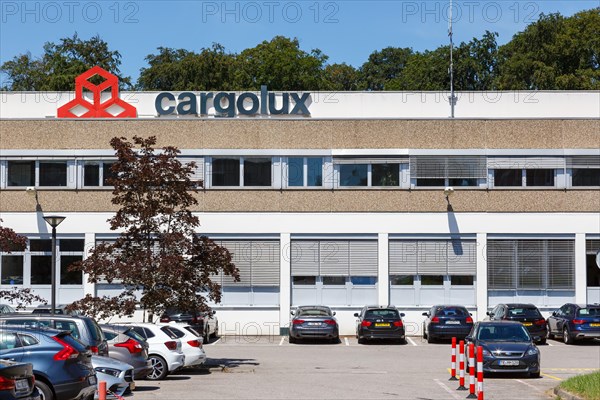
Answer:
(567, 337)
(542, 341)
(159, 368)
(549, 334)
(362, 340)
(335, 340)
(45, 391)
(216, 333)
(534, 375)
(430, 339)
(206, 334)
(424, 334)
(292, 339)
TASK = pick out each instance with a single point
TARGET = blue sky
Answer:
(346, 31)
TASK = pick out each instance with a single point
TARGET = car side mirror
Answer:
(469, 338)
(402, 314)
(489, 313)
(425, 314)
(214, 312)
(554, 313)
(334, 313)
(292, 313)
(356, 314)
(537, 338)
(471, 314)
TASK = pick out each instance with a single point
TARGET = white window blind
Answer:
(256, 260)
(436, 167)
(516, 162)
(334, 258)
(583, 162)
(432, 257)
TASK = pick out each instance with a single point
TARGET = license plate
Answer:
(382, 324)
(527, 323)
(509, 363)
(314, 324)
(594, 324)
(92, 380)
(452, 322)
(21, 384)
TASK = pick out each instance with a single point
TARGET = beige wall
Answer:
(306, 134)
(327, 201)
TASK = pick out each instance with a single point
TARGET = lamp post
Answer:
(53, 221)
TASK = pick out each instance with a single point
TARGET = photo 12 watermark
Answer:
(253, 12)
(72, 12)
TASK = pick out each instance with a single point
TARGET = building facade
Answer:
(342, 205)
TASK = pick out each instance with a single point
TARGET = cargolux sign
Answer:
(229, 105)
(105, 102)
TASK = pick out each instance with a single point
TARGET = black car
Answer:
(446, 322)
(313, 322)
(203, 322)
(58, 309)
(574, 322)
(507, 347)
(375, 322)
(62, 365)
(17, 381)
(527, 314)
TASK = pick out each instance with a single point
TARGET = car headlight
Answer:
(487, 353)
(532, 351)
(108, 371)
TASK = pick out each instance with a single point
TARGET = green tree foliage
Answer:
(384, 66)
(553, 53)
(281, 65)
(158, 258)
(179, 69)
(60, 64)
(340, 77)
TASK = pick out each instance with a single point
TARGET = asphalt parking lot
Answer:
(272, 368)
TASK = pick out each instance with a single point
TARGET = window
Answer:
(539, 177)
(41, 270)
(226, 172)
(461, 280)
(305, 171)
(508, 177)
(334, 280)
(363, 280)
(97, 173)
(304, 280)
(432, 280)
(21, 173)
(402, 280)
(385, 174)
(53, 173)
(439, 171)
(12, 270)
(354, 174)
(68, 277)
(585, 177)
(257, 172)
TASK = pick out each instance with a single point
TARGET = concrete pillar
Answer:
(383, 276)
(285, 285)
(481, 295)
(580, 269)
(89, 244)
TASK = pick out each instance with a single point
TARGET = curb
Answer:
(564, 395)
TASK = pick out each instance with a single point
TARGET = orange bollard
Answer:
(102, 390)
(461, 366)
(472, 394)
(453, 361)
(479, 373)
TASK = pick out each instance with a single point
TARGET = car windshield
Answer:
(381, 314)
(503, 333)
(524, 312)
(589, 312)
(451, 312)
(314, 312)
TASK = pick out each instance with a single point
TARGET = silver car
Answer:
(117, 375)
(128, 346)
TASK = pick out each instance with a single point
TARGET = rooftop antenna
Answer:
(452, 98)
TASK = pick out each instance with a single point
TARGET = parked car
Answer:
(445, 322)
(17, 381)
(507, 347)
(378, 322)
(203, 322)
(84, 329)
(191, 344)
(128, 346)
(313, 322)
(61, 364)
(574, 322)
(6, 309)
(164, 350)
(58, 309)
(527, 314)
(117, 375)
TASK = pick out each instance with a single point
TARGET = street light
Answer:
(53, 221)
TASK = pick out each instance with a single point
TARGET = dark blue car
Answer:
(446, 322)
(61, 364)
(574, 322)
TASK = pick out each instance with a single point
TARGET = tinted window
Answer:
(507, 177)
(41, 269)
(27, 340)
(225, 172)
(407, 280)
(354, 174)
(588, 312)
(304, 280)
(169, 332)
(461, 280)
(385, 174)
(524, 312)
(322, 312)
(108, 174)
(586, 177)
(296, 171)
(384, 313)
(140, 331)
(73, 342)
(148, 333)
(540, 177)
(21, 173)
(451, 311)
(68, 277)
(91, 174)
(174, 331)
(315, 171)
(334, 280)
(12, 270)
(8, 341)
(94, 329)
(430, 280)
(53, 173)
(40, 245)
(431, 182)
(68, 326)
(135, 335)
(109, 335)
(192, 331)
(71, 244)
(257, 172)
(505, 332)
(363, 280)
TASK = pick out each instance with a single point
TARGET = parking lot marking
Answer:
(347, 342)
(549, 344)
(530, 385)
(411, 341)
(447, 389)
(552, 377)
(281, 341)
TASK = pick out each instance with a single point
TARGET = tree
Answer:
(158, 258)
(179, 69)
(340, 77)
(553, 53)
(11, 241)
(281, 65)
(384, 66)
(60, 64)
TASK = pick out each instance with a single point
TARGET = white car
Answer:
(117, 375)
(191, 343)
(164, 349)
